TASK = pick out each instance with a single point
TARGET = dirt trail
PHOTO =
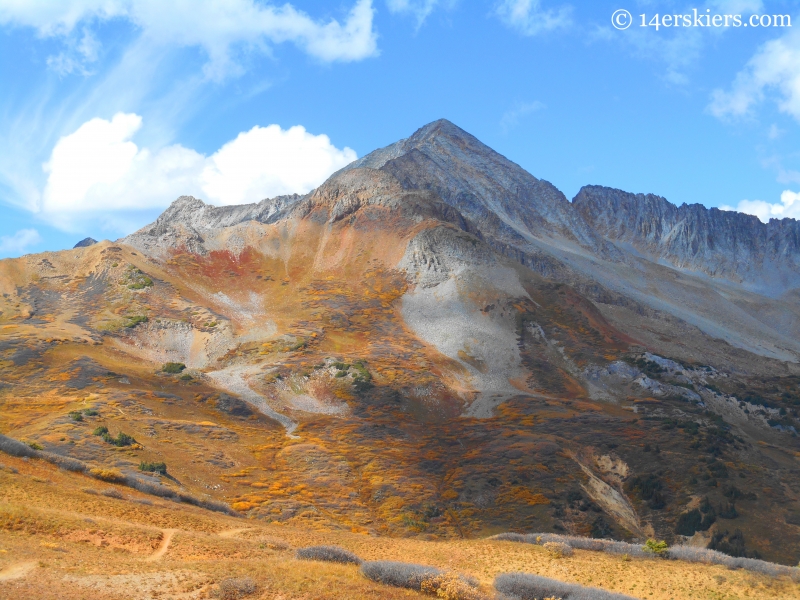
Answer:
(17, 570)
(162, 549)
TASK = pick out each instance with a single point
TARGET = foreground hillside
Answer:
(67, 536)
(432, 346)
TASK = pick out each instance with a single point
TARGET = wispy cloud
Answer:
(219, 27)
(678, 49)
(512, 117)
(772, 73)
(79, 54)
(19, 243)
(420, 9)
(529, 18)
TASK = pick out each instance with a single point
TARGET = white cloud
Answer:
(529, 18)
(788, 207)
(220, 27)
(774, 68)
(19, 242)
(512, 117)
(99, 169)
(268, 161)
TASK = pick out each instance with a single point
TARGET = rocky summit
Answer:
(433, 344)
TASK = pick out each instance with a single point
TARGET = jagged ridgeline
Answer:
(434, 342)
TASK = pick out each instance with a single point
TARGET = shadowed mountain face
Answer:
(433, 342)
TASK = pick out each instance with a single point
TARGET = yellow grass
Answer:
(78, 545)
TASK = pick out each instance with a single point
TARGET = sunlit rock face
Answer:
(432, 342)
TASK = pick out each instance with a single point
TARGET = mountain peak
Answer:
(438, 127)
(85, 243)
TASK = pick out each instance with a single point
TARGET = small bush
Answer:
(112, 493)
(16, 448)
(328, 554)
(153, 467)
(102, 430)
(111, 475)
(34, 446)
(173, 367)
(135, 320)
(90, 412)
(558, 549)
(64, 462)
(522, 586)
(450, 586)
(234, 588)
(576, 542)
(398, 574)
(122, 439)
(185, 377)
(687, 553)
(659, 548)
(76, 415)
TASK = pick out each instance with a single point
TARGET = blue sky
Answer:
(110, 109)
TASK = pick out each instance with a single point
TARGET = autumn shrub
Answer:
(64, 462)
(398, 574)
(112, 493)
(328, 554)
(235, 588)
(523, 586)
(111, 475)
(558, 549)
(714, 557)
(451, 586)
(16, 448)
(576, 542)
(686, 553)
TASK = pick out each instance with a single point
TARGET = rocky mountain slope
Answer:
(726, 245)
(433, 342)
